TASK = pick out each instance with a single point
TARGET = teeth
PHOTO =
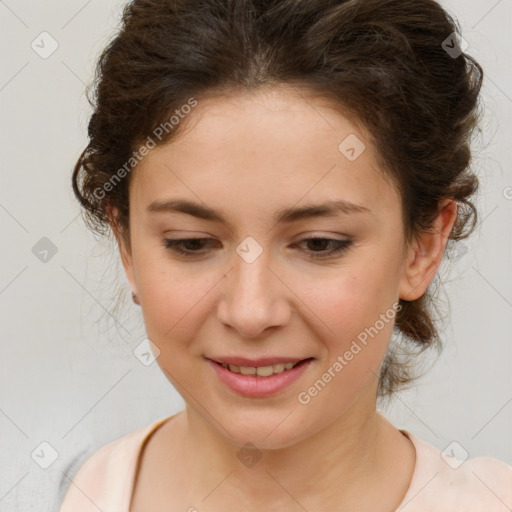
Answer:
(261, 371)
(264, 371)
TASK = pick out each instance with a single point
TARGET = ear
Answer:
(426, 253)
(123, 245)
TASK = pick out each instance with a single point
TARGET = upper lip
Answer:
(262, 361)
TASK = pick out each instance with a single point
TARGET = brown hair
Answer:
(395, 65)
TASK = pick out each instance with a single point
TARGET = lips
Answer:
(259, 381)
(255, 363)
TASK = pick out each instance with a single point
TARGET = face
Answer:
(267, 283)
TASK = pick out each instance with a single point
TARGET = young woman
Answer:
(282, 178)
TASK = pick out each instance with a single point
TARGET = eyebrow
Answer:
(286, 215)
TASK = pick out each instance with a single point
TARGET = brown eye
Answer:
(319, 247)
(319, 244)
(186, 246)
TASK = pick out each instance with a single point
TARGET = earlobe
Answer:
(419, 271)
(426, 253)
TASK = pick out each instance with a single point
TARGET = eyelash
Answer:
(340, 246)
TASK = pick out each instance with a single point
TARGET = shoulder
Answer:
(485, 482)
(448, 481)
(105, 477)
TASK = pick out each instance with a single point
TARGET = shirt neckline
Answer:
(152, 429)
(410, 493)
(428, 460)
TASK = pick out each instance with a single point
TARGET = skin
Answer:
(247, 156)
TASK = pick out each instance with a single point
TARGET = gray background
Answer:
(68, 375)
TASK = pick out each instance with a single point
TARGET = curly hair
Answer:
(395, 66)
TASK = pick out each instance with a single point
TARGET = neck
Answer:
(335, 466)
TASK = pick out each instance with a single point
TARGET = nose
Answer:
(254, 298)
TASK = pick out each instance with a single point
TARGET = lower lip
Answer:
(255, 386)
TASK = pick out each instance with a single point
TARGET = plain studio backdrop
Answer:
(71, 379)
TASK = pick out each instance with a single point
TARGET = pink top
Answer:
(440, 483)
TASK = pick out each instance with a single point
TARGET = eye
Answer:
(177, 246)
(192, 246)
(337, 246)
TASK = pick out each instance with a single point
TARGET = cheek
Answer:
(354, 315)
(174, 299)
(357, 319)
(348, 299)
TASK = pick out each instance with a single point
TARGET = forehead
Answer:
(271, 147)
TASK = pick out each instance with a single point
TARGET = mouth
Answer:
(260, 368)
(260, 378)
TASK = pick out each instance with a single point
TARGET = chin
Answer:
(265, 430)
